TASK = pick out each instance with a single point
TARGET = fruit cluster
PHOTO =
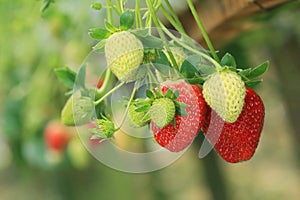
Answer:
(189, 93)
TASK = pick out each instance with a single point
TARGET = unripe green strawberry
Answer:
(162, 112)
(225, 93)
(124, 53)
(137, 119)
(178, 54)
(77, 111)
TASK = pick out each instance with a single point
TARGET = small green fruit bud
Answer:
(77, 111)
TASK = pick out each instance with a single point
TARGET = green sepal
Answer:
(252, 83)
(99, 47)
(110, 27)
(105, 128)
(258, 71)
(126, 20)
(180, 108)
(228, 60)
(99, 33)
(150, 94)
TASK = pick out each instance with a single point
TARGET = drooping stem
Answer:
(203, 31)
(161, 33)
(174, 15)
(120, 5)
(109, 93)
(127, 107)
(138, 17)
(108, 11)
(174, 23)
(109, 3)
(215, 63)
(100, 92)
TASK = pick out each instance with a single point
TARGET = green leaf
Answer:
(80, 79)
(245, 73)
(259, 70)
(149, 41)
(111, 27)
(96, 5)
(99, 33)
(194, 65)
(140, 32)
(99, 47)
(46, 4)
(126, 20)
(66, 76)
(150, 94)
(188, 70)
(228, 60)
(253, 83)
(161, 58)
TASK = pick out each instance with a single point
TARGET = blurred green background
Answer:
(32, 44)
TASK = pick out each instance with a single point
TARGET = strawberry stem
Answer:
(138, 17)
(171, 19)
(161, 34)
(214, 62)
(203, 31)
(109, 93)
(109, 3)
(105, 84)
(174, 15)
(108, 12)
(127, 107)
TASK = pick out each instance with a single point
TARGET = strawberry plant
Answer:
(141, 52)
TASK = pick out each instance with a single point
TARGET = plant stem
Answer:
(109, 3)
(214, 62)
(202, 29)
(109, 13)
(105, 84)
(161, 33)
(138, 17)
(174, 15)
(119, 6)
(127, 108)
(177, 26)
(109, 93)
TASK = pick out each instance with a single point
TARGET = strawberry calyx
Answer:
(104, 128)
(136, 117)
(158, 106)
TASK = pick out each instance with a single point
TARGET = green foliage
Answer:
(126, 20)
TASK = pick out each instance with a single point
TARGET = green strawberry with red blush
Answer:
(180, 133)
(236, 142)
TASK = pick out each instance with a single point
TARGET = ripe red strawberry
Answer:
(56, 136)
(237, 141)
(177, 137)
